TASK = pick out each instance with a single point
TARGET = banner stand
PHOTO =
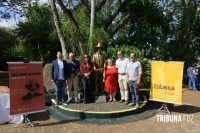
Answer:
(27, 88)
(164, 107)
(27, 121)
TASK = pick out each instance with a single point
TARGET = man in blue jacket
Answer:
(59, 75)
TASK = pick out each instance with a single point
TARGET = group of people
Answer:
(95, 74)
(193, 74)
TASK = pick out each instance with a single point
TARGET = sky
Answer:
(12, 22)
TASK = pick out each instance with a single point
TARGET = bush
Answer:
(146, 69)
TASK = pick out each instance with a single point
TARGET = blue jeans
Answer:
(192, 83)
(134, 91)
(60, 90)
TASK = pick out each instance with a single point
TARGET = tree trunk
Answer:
(40, 52)
(92, 22)
(92, 17)
(58, 28)
(69, 3)
(69, 15)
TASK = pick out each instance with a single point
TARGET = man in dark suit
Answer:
(59, 75)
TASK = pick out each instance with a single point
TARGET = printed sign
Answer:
(26, 87)
(166, 81)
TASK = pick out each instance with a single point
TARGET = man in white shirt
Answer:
(121, 65)
(134, 72)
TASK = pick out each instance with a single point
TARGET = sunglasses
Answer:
(85, 57)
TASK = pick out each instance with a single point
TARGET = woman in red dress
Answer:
(110, 79)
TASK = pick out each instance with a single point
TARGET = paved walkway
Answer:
(191, 97)
(151, 125)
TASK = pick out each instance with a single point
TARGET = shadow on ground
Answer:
(185, 109)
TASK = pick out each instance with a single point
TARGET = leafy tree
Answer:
(7, 42)
(146, 71)
(182, 42)
(35, 33)
(111, 22)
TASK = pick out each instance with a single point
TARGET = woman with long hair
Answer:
(86, 69)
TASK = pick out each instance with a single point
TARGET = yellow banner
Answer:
(166, 81)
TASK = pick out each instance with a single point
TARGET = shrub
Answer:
(146, 69)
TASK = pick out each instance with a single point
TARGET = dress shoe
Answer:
(77, 100)
(126, 103)
(65, 103)
(121, 101)
(84, 102)
(57, 103)
(131, 104)
(136, 105)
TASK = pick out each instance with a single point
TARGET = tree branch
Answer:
(74, 24)
(86, 4)
(69, 15)
(120, 24)
(120, 2)
(195, 3)
(101, 5)
(111, 18)
(183, 2)
(58, 27)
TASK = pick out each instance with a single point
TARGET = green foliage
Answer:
(160, 29)
(36, 34)
(7, 42)
(163, 30)
(70, 39)
(146, 70)
(83, 18)
(99, 35)
(23, 51)
(144, 29)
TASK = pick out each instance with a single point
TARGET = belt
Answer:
(122, 73)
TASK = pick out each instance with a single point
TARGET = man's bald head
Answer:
(71, 56)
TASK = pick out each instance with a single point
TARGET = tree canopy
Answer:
(159, 29)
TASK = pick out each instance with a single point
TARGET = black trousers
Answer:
(88, 89)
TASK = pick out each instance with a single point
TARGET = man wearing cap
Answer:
(98, 59)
